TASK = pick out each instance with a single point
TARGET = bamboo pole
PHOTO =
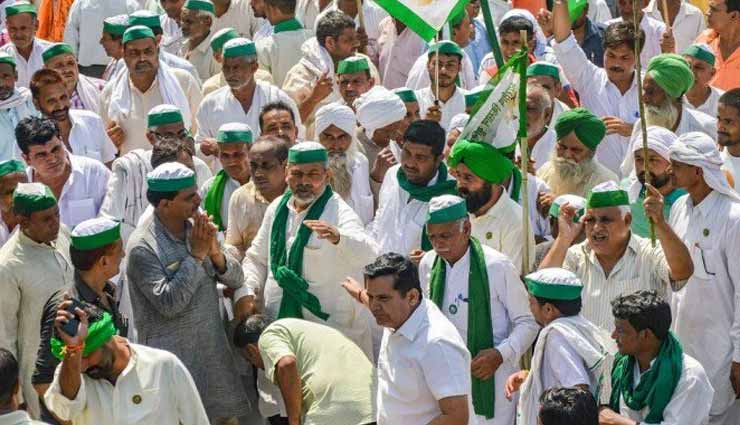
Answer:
(524, 149)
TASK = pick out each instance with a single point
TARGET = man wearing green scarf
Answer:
(653, 380)
(407, 188)
(479, 291)
(234, 140)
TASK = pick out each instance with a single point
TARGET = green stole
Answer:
(289, 25)
(516, 185)
(480, 328)
(287, 267)
(657, 384)
(215, 197)
(425, 193)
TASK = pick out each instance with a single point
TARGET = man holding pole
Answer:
(442, 100)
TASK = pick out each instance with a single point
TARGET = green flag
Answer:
(424, 17)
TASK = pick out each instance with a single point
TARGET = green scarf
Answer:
(656, 386)
(215, 197)
(480, 328)
(289, 25)
(516, 185)
(425, 193)
(287, 267)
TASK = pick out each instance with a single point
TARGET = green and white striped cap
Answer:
(11, 166)
(406, 94)
(20, 7)
(446, 208)
(204, 5)
(146, 18)
(170, 177)
(234, 132)
(352, 65)
(607, 194)
(115, 25)
(702, 52)
(32, 197)
(574, 201)
(554, 284)
(55, 50)
(162, 115)
(221, 37)
(307, 152)
(95, 233)
(239, 46)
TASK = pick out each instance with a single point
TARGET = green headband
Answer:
(553, 292)
(170, 185)
(137, 32)
(245, 49)
(11, 166)
(452, 213)
(163, 118)
(113, 28)
(542, 68)
(307, 157)
(697, 52)
(217, 43)
(56, 50)
(98, 333)
(612, 198)
(407, 96)
(27, 203)
(234, 137)
(20, 8)
(445, 47)
(90, 242)
(347, 66)
(205, 6)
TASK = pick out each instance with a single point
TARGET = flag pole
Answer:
(524, 148)
(491, 33)
(360, 15)
(436, 72)
(641, 103)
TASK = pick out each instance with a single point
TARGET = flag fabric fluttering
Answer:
(424, 17)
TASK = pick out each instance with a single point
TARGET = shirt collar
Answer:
(497, 209)
(465, 259)
(411, 326)
(707, 205)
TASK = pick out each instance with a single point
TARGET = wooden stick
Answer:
(436, 72)
(666, 18)
(361, 16)
(524, 165)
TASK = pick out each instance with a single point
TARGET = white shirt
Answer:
(600, 96)
(229, 188)
(5, 233)
(264, 31)
(9, 119)
(85, 24)
(687, 25)
(689, 403)
(240, 17)
(419, 73)
(172, 38)
(155, 387)
(361, 198)
(279, 52)
(654, 30)
(89, 138)
(710, 105)
(454, 105)
(397, 53)
(693, 120)
(422, 362)
(26, 68)
(562, 366)
(598, 11)
(514, 328)
(543, 148)
(83, 192)
(705, 311)
(732, 164)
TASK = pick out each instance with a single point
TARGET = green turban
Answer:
(589, 129)
(98, 333)
(672, 73)
(483, 159)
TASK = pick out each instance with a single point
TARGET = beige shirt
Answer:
(240, 17)
(141, 103)
(600, 174)
(202, 58)
(278, 53)
(246, 210)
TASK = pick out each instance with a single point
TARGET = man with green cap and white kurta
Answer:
(173, 269)
(21, 23)
(100, 371)
(112, 42)
(354, 79)
(234, 140)
(15, 104)
(409, 99)
(441, 102)
(196, 21)
(612, 260)
(702, 96)
(479, 291)
(481, 172)
(570, 351)
(573, 167)
(83, 91)
(38, 251)
(547, 75)
(12, 172)
(278, 52)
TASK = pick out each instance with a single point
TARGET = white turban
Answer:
(338, 115)
(377, 108)
(659, 139)
(459, 121)
(699, 150)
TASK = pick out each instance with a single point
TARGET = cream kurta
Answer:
(202, 58)
(217, 81)
(514, 328)
(141, 103)
(162, 385)
(229, 189)
(30, 273)
(278, 53)
(246, 210)
(453, 106)
(599, 175)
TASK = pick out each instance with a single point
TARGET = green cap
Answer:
(446, 208)
(239, 47)
(20, 7)
(162, 115)
(98, 333)
(352, 65)
(145, 18)
(445, 47)
(589, 129)
(234, 132)
(31, 197)
(6, 58)
(406, 94)
(484, 160)
(554, 284)
(307, 152)
(221, 37)
(455, 20)
(543, 68)
(575, 8)
(576, 202)
(137, 32)
(607, 194)
(170, 177)
(11, 166)
(702, 52)
(204, 5)
(95, 233)
(55, 50)
(115, 25)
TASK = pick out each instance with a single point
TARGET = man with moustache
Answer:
(728, 132)
(173, 269)
(278, 119)
(12, 172)
(612, 260)
(573, 167)
(196, 21)
(658, 38)
(243, 99)
(441, 102)
(82, 132)
(21, 23)
(335, 125)
(353, 77)
(83, 91)
(15, 104)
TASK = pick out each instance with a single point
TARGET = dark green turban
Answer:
(483, 159)
(589, 129)
(672, 73)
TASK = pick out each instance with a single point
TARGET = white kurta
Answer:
(26, 68)
(155, 387)
(361, 197)
(419, 74)
(88, 136)
(278, 53)
(84, 25)
(514, 328)
(201, 58)
(710, 105)
(454, 105)
(693, 120)
(705, 311)
(229, 188)
(732, 164)
(690, 402)
(687, 25)
(600, 96)
(654, 30)
(239, 16)
(172, 38)
(397, 53)
(420, 363)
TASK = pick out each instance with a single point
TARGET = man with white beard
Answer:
(572, 167)
(335, 127)
(667, 79)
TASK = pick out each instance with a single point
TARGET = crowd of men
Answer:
(264, 212)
